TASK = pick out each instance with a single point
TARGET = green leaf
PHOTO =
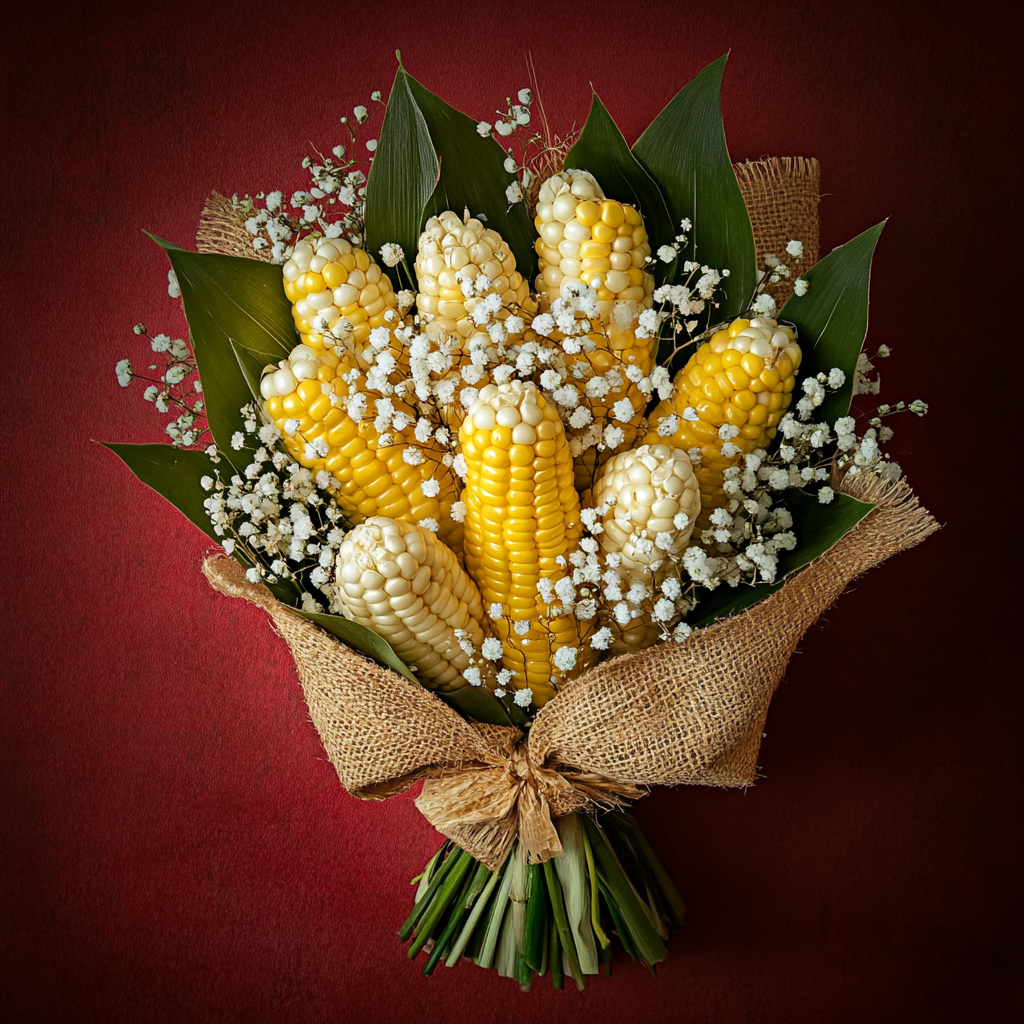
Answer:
(473, 175)
(402, 177)
(602, 150)
(251, 364)
(817, 527)
(481, 705)
(174, 473)
(832, 317)
(230, 299)
(684, 150)
(362, 639)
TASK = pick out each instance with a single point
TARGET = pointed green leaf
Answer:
(175, 474)
(228, 298)
(602, 150)
(361, 639)
(832, 317)
(817, 527)
(402, 177)
(251, 364)
(476, 702)
(473, 176)
(684, 150)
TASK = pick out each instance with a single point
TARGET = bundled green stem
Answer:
(527, 920)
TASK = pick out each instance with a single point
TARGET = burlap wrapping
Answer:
(679, 713)
(781, 194)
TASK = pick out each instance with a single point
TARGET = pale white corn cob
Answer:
(652, 501)
(454, 254)
(403, 583)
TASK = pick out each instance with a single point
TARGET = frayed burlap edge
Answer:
(222, 230)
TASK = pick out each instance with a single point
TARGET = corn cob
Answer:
(587, 239)
(339, 295)
(742, 376)
(403, 583)
(374, 472)
(645, 492)
(522, 517)
(454, 250)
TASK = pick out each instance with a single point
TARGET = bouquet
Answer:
(539, 453)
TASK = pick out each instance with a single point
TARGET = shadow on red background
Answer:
(176, 846)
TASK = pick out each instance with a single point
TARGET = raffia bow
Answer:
(483, 807)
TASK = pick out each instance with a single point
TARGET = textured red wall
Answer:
(176, 847)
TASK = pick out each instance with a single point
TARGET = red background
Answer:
(176, 847)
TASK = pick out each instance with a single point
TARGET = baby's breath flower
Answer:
(392, 254)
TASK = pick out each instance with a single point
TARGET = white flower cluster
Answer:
(173, 388)
(775, 272)
(447, 372)
(331, 206)
(509, 130)
(683, 303)
(276, 517)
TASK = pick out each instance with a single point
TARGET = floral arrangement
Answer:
(541, 465)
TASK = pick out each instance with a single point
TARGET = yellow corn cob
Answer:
(339, 295)
(587, 239)
(404, 584)
(307, 397)
(522, 516)
(454, 249)
(646, 490)
(743, 376)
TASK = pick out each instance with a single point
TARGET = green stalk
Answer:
(470, 890)
(555, 956)
(618, 924)
(621, 850)
(665, 884)
(479, 906)
(571, 869)
(536, 918)
(445, 894)
(497, 915)
(627, 903)
(423, 878)
(595, 905)
(507, 952)
(524, 973)
(562, 923)
(424, 901)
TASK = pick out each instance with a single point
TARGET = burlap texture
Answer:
(222, 229)
(781, 194)
(678, 713)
